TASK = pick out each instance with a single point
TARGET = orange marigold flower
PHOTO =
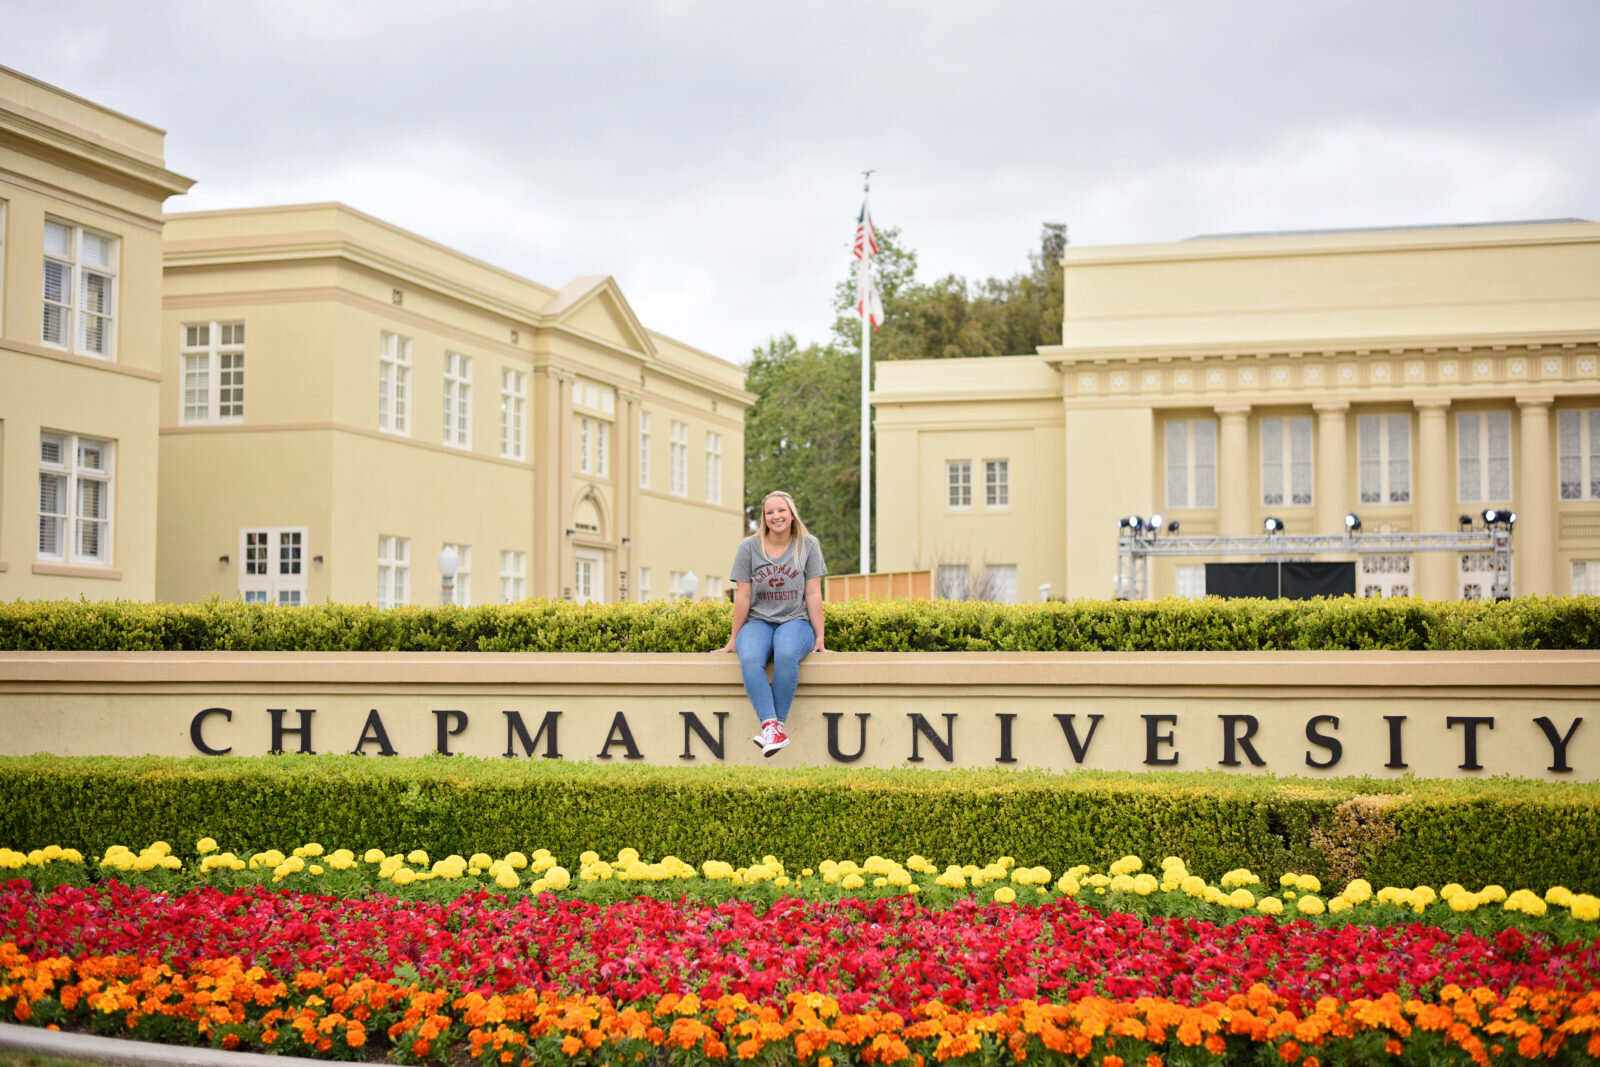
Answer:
(1216, 1045)
(230, 1042)
(1289, 1051)
(1111, 1061)
(1312, 1061)
(1152, 1060)
(420, 1048)
(570, 1045)
(1393, 1047)
(826, 1061)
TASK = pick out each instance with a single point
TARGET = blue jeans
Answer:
(785, 644)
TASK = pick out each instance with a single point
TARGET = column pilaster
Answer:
(1533, 541)
(1434, 481)
(1233, 470)
(1333, 467)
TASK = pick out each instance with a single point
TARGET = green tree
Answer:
(803, 435)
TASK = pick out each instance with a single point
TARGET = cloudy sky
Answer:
(708, 155)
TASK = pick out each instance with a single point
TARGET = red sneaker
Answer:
(777, 740)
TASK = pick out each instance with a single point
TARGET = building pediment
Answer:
(593, 306)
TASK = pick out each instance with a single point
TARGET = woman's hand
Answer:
(819, 647)
(731, 646)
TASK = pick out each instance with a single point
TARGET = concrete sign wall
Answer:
(1527, 714)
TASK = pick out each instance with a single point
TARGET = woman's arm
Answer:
(814, 610)
(741, 612)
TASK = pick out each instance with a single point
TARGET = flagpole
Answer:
(865, 264)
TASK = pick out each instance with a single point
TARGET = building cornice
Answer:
(83, 154)
(1349, 243)
(1065, 355)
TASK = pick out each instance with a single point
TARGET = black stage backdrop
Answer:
(1296, 581)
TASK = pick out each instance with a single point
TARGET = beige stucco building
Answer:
(342, 399)
(81, 194)
(1412, 376)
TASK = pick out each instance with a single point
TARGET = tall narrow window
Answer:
(958, 483)
(997, 485)
(1286, 460)
(678, 457)
(513, 408)
(644, 584)
(457, 400)
(1383, 576)
(513, 576)
(644, 449)
(1000, 583)
(1483, 456)
(394, 571)
(213, 372)
(592, 445)
(272, 565)
(1384, 444)
(394, 384)
(75, 476)
(1191, 449)
(675, 586)
(713, 468)
(461, 590)
(1586, 577)
(1190, 580)
(953, 582)
(79, 291)
(1578, 434)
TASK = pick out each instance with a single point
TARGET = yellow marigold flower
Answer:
(171, 863)
(1122, 883)
(916, 863)
(374, 855)
(507, 878)
(852, 881)
(1450, 890)
(626, 856)
(1145, 884)
(404, 876)
(1338, 904)
(1171, 861)
(205, 845)
(1287, 879)
(1005, 895)
(517, 860)
(1424, 895)
(1068, 885)
(418, 857)
(1289, 894)
(1463, 901)
(1269, 906)
(1212, 895)
(782, 881)
(1492, 893)
(1242, 898)
(1308, 883)
(1238, 877)
(71, 855)
(1559, 895)
(160, 848)
(806, 872)
(480, 860)
(312, 850)
(1193, 886)
(1309, 905)
(589, 856)
(36, 857)
(880, 882)
(316, 868)
(1586, 907)
(900, 878)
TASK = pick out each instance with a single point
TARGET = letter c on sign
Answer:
(196, 725)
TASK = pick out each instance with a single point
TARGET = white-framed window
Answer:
(644, 584)
(954, 582)
(1383, 443)
(588, 576)
(675, 585)
(272, 565)
(1000, 581)
(678, 459)
(457, 400)
(594, 397)
(1190, 580)
(513, 413)
(1386, 575)
(394, 571)
(1476, 578)
(213, 372)
(75, 502)
(1586, 577)
(713, 468)
(1286, 461)
(997, 485)
(1483, 456)
(80, 289)
(1191, 447)
(958, 483)
(394, 384)
(513, 576)
(461, 590)
(644, 449)
(593, 445)
(1578, 447)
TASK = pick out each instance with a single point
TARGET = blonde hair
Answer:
(797, 528)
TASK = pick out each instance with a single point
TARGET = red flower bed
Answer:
(881, 955)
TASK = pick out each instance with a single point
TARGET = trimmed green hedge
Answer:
(1404, 831)
(856, 626)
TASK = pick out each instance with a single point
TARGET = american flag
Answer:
(868, 305)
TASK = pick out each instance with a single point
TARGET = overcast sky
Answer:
(707, 155)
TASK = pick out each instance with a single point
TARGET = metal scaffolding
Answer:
(1134, 549)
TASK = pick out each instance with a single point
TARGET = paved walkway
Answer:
(135, 1053)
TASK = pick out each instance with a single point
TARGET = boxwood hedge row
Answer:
(855, 626)
(1400, 831)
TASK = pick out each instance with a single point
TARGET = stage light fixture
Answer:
(1172, 527)
(1272, 525)
(1466, 522)
(1352, 523)
(1154, 525)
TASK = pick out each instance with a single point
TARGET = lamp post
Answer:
(691, 585)
(448, 562)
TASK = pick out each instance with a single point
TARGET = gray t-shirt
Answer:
(777, 588)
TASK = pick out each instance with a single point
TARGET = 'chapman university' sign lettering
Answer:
(1160, 740)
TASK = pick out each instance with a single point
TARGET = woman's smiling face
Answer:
(777, 513)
